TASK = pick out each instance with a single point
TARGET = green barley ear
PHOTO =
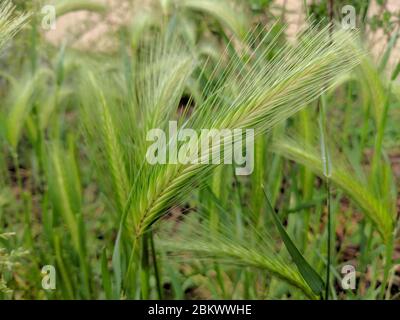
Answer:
(343, 177)
(20, 102)
(257, 94)
(66, 198)
(256, 91)
(253, 248)
(107, 130)
(10, 22)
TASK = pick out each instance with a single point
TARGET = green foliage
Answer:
(9, 261)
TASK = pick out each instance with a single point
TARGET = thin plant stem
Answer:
(327, 173)
(388, 266)
(328, 264)
(145, 268)
(155, 263)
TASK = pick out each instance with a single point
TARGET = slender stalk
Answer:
(145, 268)
(388, 265)
(307, 175)
(129, 279)
(326, 167)
(328, 264)
(155, 263)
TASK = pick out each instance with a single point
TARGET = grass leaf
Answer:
(309, 274)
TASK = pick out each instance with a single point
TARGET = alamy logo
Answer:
(349, 18)
(49, 277)
(349, 277)
(187, 146)
(49, 17)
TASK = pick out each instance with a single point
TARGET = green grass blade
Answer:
(311, 276)
(105, 275)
